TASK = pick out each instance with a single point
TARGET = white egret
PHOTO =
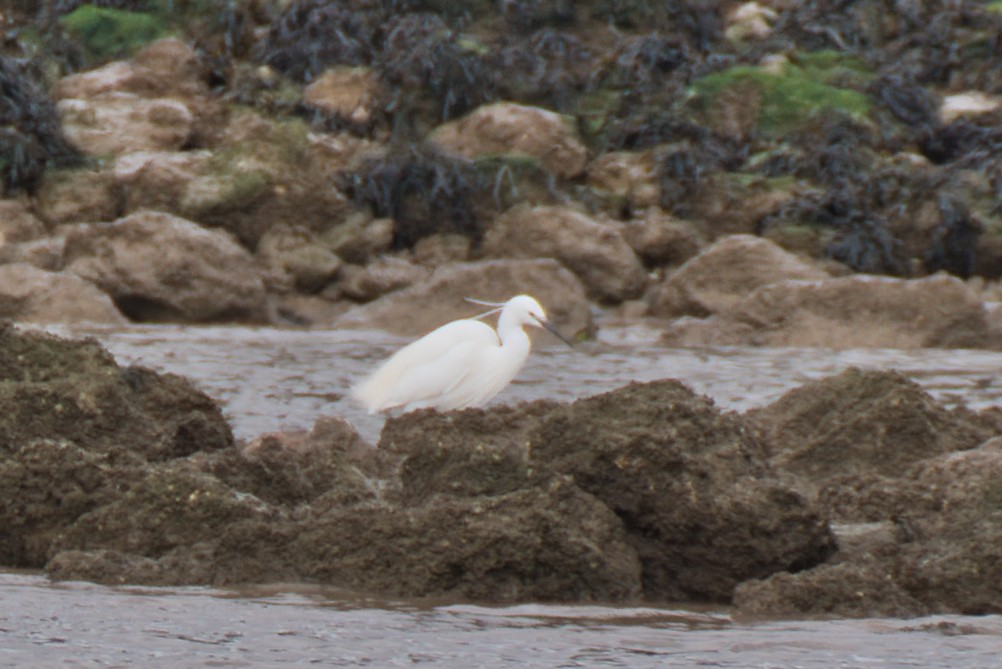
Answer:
(462, 364)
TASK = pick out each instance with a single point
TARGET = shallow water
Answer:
(272, 379)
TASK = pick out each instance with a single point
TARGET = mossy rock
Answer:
(106, 33)
(778, 101)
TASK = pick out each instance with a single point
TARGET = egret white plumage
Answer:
(462, 364)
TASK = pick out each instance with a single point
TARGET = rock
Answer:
(354, 93)
(440, 298)
(859, 421)
(175, 505)
(632, 176)
(359, 239)
(702, 507)
(548, 543)
(295, 253)
(18, 223)
(660, 239)
(159, 180)
(44, 254)
(689, 332)
(295, 468)
(867, 311)
(161, 88)
(160, 267)
(941, 558)
(596, 252)
(78, 196)
(30, 294)
(381, 276)
(442, 249)
(967, 105)
(506, 127)
(464, 454)
(59, 389)
(749, 21)
(118, 123)
(47, 484)
(720, 277)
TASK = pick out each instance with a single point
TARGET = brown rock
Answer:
(594, 251)
(44, 254)
(860, 311)
(505, 127)
(703, 509)
(161, 267)
(660, 239)
(118, 123)
(632, 176)
(78, 196)
(354, 93)
(439, 299)
(381, 276)
(30, 294)
(307, 263)
(720, 277)
(878, 422)
(18, 223)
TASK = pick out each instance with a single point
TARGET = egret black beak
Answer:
(553, 330)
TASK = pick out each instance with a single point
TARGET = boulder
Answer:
(160, 267)
(117, 123)
(702, 507)
(358, 239)
(78, 196)
(381, 276)
(720, 277)
(303, 261)
(547, 543)
(159, 180)
(18, 223)
(631, 176)
(356, 94)
(595, 251)
(940, 558)
(161, 90)
(440, 298)
(861, 421)
(659, 239)
(867, 311)
(509, 128)
(30, 294)
(44, 254)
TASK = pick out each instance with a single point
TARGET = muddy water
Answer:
(272, 379)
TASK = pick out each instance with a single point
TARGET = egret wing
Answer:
(384, 390)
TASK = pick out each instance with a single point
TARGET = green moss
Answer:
(787, 98)
(109, 33)
(994, 7)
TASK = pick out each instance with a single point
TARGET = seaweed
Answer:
(31, 138)
(424, 58)
(953, 244)
(313, 34)
(550, 68)
(422, 190)
(529, 15)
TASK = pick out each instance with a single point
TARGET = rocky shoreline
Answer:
(728, 171)
(854, 495)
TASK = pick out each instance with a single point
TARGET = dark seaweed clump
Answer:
(31, 138)
(423, 191)
(417, 53)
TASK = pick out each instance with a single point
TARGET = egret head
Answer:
(527, 311)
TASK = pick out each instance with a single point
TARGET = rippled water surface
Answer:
(271, 379)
